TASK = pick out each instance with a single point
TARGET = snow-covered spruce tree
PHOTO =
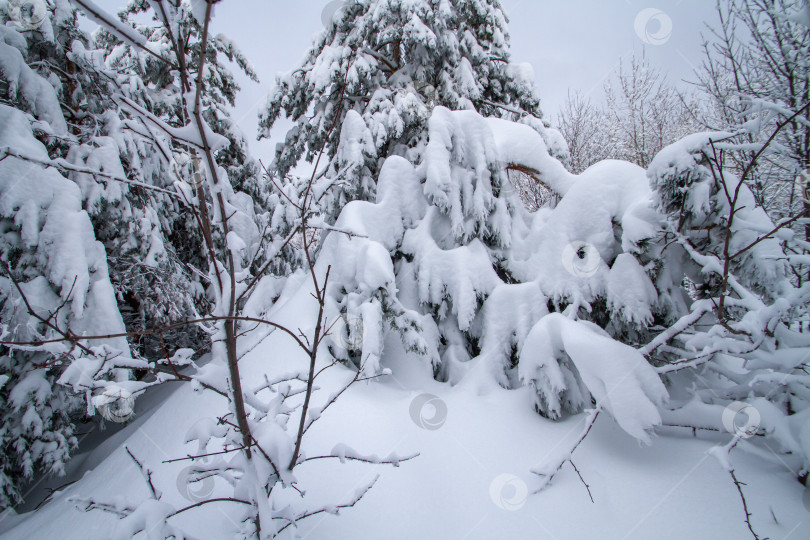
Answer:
(447, 261)
(124, 169)
(148, 229)
(54, 282)
(390, 62)
(385, 67)
(444, 238)
(153, 235)
(163, 88)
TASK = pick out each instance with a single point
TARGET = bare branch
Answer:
(332, 509)
(584, 483)
(549, 471)
(147, 475)
(374, 460)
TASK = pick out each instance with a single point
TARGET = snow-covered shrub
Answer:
(569, 362)
(363, 284)
(740, 340)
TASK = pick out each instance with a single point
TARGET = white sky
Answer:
(575, 44)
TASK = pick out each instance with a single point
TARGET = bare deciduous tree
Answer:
(584, 126)
(756, 72)
(642, 113)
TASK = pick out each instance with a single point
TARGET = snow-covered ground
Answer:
(471, 479)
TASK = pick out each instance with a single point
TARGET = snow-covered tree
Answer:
(739, 345)
(54, 284)
(121, 164)
(148, 228)
(392, 71)
(641, 114)
(157, 247)
(163, 86)
(369, 83)
(586, 130)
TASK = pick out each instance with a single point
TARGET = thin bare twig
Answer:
(147, 475)
(584, 483)
(748, 514)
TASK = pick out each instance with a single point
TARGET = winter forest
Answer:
(434, 309)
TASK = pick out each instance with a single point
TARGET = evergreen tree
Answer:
(422, 260)
(120, 171)
(390, 70)
(153, 235)
(391, 62)
(55, 283)
(163, 90)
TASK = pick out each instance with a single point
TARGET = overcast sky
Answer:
(571, 44)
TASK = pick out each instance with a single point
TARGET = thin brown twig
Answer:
(67, 335)
(584, 483)
(748, 514)
(156, 330)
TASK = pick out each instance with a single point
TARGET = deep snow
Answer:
(457, 487)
